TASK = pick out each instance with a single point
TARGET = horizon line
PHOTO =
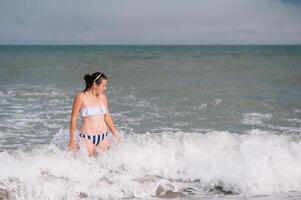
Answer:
(133, 44)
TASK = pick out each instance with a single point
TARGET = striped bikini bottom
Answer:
(95, 139)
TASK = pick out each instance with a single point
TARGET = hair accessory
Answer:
(97, 77)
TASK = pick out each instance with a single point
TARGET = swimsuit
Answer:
(95, 139)
(88, 112)
(93, 110)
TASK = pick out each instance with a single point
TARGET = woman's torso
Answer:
(92, 111)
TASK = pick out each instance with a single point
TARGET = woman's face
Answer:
(101, 88)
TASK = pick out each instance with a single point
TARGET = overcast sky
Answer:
(150, 21)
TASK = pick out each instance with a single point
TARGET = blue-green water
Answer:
(233, 88)
(231, 100)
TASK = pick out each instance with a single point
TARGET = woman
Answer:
(92, 104)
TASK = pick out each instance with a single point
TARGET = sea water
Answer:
(196, 122)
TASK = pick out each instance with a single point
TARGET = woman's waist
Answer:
(93, 123)
(93, 129)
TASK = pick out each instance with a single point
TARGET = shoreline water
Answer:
(199, 120)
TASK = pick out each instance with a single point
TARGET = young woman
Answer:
(92, 104)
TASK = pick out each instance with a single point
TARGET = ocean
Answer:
(196, 122)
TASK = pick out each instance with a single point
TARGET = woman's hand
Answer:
(117, 139)
(72, 145)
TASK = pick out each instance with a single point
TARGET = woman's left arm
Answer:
(108, 118)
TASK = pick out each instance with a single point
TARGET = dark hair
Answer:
(97, 78)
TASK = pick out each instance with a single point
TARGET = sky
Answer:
(150, 22)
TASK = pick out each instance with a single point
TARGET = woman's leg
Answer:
(90, 147)
(104, 145)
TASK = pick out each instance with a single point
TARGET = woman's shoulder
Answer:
(103, 97)
(80, 95)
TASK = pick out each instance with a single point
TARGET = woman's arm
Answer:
(108, 118)
(75, 110)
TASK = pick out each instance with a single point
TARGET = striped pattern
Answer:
(95, 139)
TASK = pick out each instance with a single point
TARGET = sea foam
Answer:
(250, 164)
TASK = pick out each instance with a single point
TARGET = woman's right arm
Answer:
(75, 110)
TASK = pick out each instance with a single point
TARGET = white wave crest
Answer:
(261, 163)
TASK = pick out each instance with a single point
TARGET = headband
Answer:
(97, 77)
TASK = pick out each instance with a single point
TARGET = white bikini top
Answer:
(93, 110)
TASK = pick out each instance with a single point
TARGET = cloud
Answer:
(20, 21)
(155, 22)
(292, 1)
